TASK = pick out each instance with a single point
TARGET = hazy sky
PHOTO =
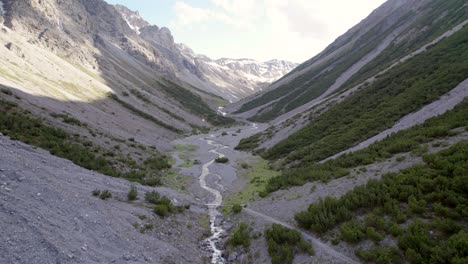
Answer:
(294, 30)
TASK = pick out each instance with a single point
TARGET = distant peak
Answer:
(133, 18)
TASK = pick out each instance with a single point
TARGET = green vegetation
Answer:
(133, 193)
(380, 255)
(453, 13)
(187, 164)
(163, 205)
(69, 119)
(146, 99)
(96, 192)
(236, 208)
(105, 194)
(284, 243)
(310, 84)
(194, 103)
(6, 91)
(403, 141)
(240, 237)
(249, 143)
(402, 90)
(256, 176)
(180, 147)
(176, 181)
(142, 113)
(221, 160)
(20, 125)
(424, 206)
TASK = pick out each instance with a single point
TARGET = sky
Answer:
(293, 30)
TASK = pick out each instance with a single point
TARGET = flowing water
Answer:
(215, 215)
(216, 230)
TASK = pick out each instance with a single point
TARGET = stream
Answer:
(216, 230)
(215, 216)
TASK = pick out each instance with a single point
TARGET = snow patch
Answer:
(133, 27)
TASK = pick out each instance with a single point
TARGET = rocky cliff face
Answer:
(241, 77)
(232, 79)
(82, 57)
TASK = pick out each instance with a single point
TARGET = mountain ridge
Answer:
(238, 80)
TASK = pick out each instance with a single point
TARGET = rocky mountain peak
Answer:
(229, 78)
(133, 18)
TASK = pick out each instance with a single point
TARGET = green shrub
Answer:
(164, 206)
(105, 194)
(236, 208)
(284, 243)
(96, 192)
(380, 255)
(395, 230)
(222, 160)
(6, 91)
(152, 197)
(153, 181)
(373, 235)
(400, 158)
(353, 231)
(240, 236)
(161, 210)
(133, 193)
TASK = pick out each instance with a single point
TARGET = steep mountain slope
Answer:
(388, 34)
(50, 215)
(232, 79)
(84, 59)
(378, 105)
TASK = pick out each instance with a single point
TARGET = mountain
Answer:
(391, 35)
(82, 58)
(368, 140)
(232, 79)
(397, 68)
(112, 151)
(392, 31)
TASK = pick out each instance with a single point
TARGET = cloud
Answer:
(293, 29)
(188, 15)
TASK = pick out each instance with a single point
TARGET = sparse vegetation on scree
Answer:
(404, 89)
(424, 208)
(194, 103)
(133, 193)
(20, 125)
(163, 205)
(404, 141)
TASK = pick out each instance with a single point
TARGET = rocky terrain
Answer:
(101, 83)
(49, 214)
(232, 79)
(394, 26)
